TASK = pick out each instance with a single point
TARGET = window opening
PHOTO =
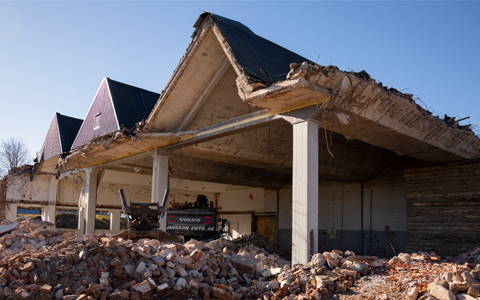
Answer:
(102, 220)
(66, 218)
(96, 121)
(29, 212)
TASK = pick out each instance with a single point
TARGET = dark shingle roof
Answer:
(132, 104)
(261, 59)
(68, 128)
(60, 136)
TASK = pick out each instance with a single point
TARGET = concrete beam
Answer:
(305, 192)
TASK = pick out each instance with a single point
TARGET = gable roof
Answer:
(60, 136)
(132, 104)
(218, 44)
(117, 105)
(261, 59)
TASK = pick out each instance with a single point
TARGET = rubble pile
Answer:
(425, 276)
(37, 261)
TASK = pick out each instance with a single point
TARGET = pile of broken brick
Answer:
(424, 276)
(37, 261)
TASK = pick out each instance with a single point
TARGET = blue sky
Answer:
(53, 55)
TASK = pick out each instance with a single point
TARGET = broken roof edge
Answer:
(111, 147)
(362, 96)
(103, 149)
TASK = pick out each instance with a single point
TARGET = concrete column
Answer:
(115, 221)
(10, 212)
(81, 218)
(305, 192)
(160, 180)
(48, 212)
(90, 199)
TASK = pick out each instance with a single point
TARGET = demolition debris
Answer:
(37, 261)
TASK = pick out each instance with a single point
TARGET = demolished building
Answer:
(310, 156)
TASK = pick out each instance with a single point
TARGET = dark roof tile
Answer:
(132, 104)
(261, 59)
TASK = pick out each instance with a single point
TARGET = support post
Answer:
(305, 192)
(115, 216)
(160, 180)
(48, 212)
(90, 199)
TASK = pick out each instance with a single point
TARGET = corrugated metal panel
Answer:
(51, 144)
(103, 105)
(132, 104)
(68, 128)
(260, 58)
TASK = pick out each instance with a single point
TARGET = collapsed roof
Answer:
(274, 84)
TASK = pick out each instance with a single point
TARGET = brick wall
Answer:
(3, 197)
(443, 208)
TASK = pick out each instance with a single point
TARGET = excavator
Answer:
(189, 220)
(143, 221)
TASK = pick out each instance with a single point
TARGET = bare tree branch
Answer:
(13, 153)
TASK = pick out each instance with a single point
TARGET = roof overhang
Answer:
(113, 147)
(360, 108)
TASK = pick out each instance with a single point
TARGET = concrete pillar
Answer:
(305, 192)
(160, 180)
(81, 218)
(10, 211)
(115, 221)
(48, 212)
(90, 200)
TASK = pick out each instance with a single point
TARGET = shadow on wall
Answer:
(384, 243)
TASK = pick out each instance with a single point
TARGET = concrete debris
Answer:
(101, 267)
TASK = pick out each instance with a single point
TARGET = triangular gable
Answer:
(256, 61)
(60, 136)
(115, 105)
(100, 118)
(51, 145)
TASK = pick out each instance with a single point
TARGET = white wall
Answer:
(21, 188)
(339, 207)
(387, 197)
(69, 189)
(388, 207)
